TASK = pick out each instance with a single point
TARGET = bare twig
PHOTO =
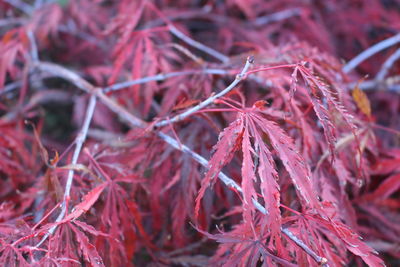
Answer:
(34, 80)
(390, 84)
(188, 14)
(177, 145)
(209, 100)
(59, 71)
(321, 260)
(71, 29)
(370, 52)
(39, 3)
(198, 45)
(74, 78)
(187, 248)
(277, 16)
(10, 87)
(11, 21)
(135, 122)
(162, 77)
(34, 49)
(387, 65)
(80, 139)
(24, 7)
(187, 53)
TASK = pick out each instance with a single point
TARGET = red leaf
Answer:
(89, 251)
(228, 143)
(352, 242)
(269, 186)
(88, 200)
(248, 177)
(385, 189)
(294, 164)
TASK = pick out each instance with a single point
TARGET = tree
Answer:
(198, 133)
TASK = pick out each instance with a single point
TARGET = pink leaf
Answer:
(227, 144)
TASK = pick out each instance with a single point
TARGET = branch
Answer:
(391, 84)
(70, 28)
(80, 139)
(34, 80)
(162, 77)
(370, 52)
(387, 65)
(24, 7)
(11, 21)
(209, 100)
(200, 46)
(321, 260)
(33, 46)
(61, 72)
(135, 122)
(277, 16)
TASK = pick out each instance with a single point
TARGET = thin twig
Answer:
(387, 65)
(74, 78)
(277, 16)
(188, 14)
(370, 52)
(59, 71)
(181, 147)
(187, 53)
(24, 7)
(80, 139)
(135, 122)
(11, 21)
(162, 77)
(390, 84)
(34, 80)
(198, 45)
(71, 29)
(34, 49)
(39, 3)
(189, 248)
(10, 87)
(321, 260)
(209, 100)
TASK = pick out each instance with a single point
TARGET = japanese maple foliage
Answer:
(199, 133)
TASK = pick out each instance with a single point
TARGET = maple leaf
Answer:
(88, 200)
(248, 177)
(12, 47)
(296, 167)
(141, 185)
(69, 243)
(352, 241)
(239, 249)
(88, 250)
(228, 143)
